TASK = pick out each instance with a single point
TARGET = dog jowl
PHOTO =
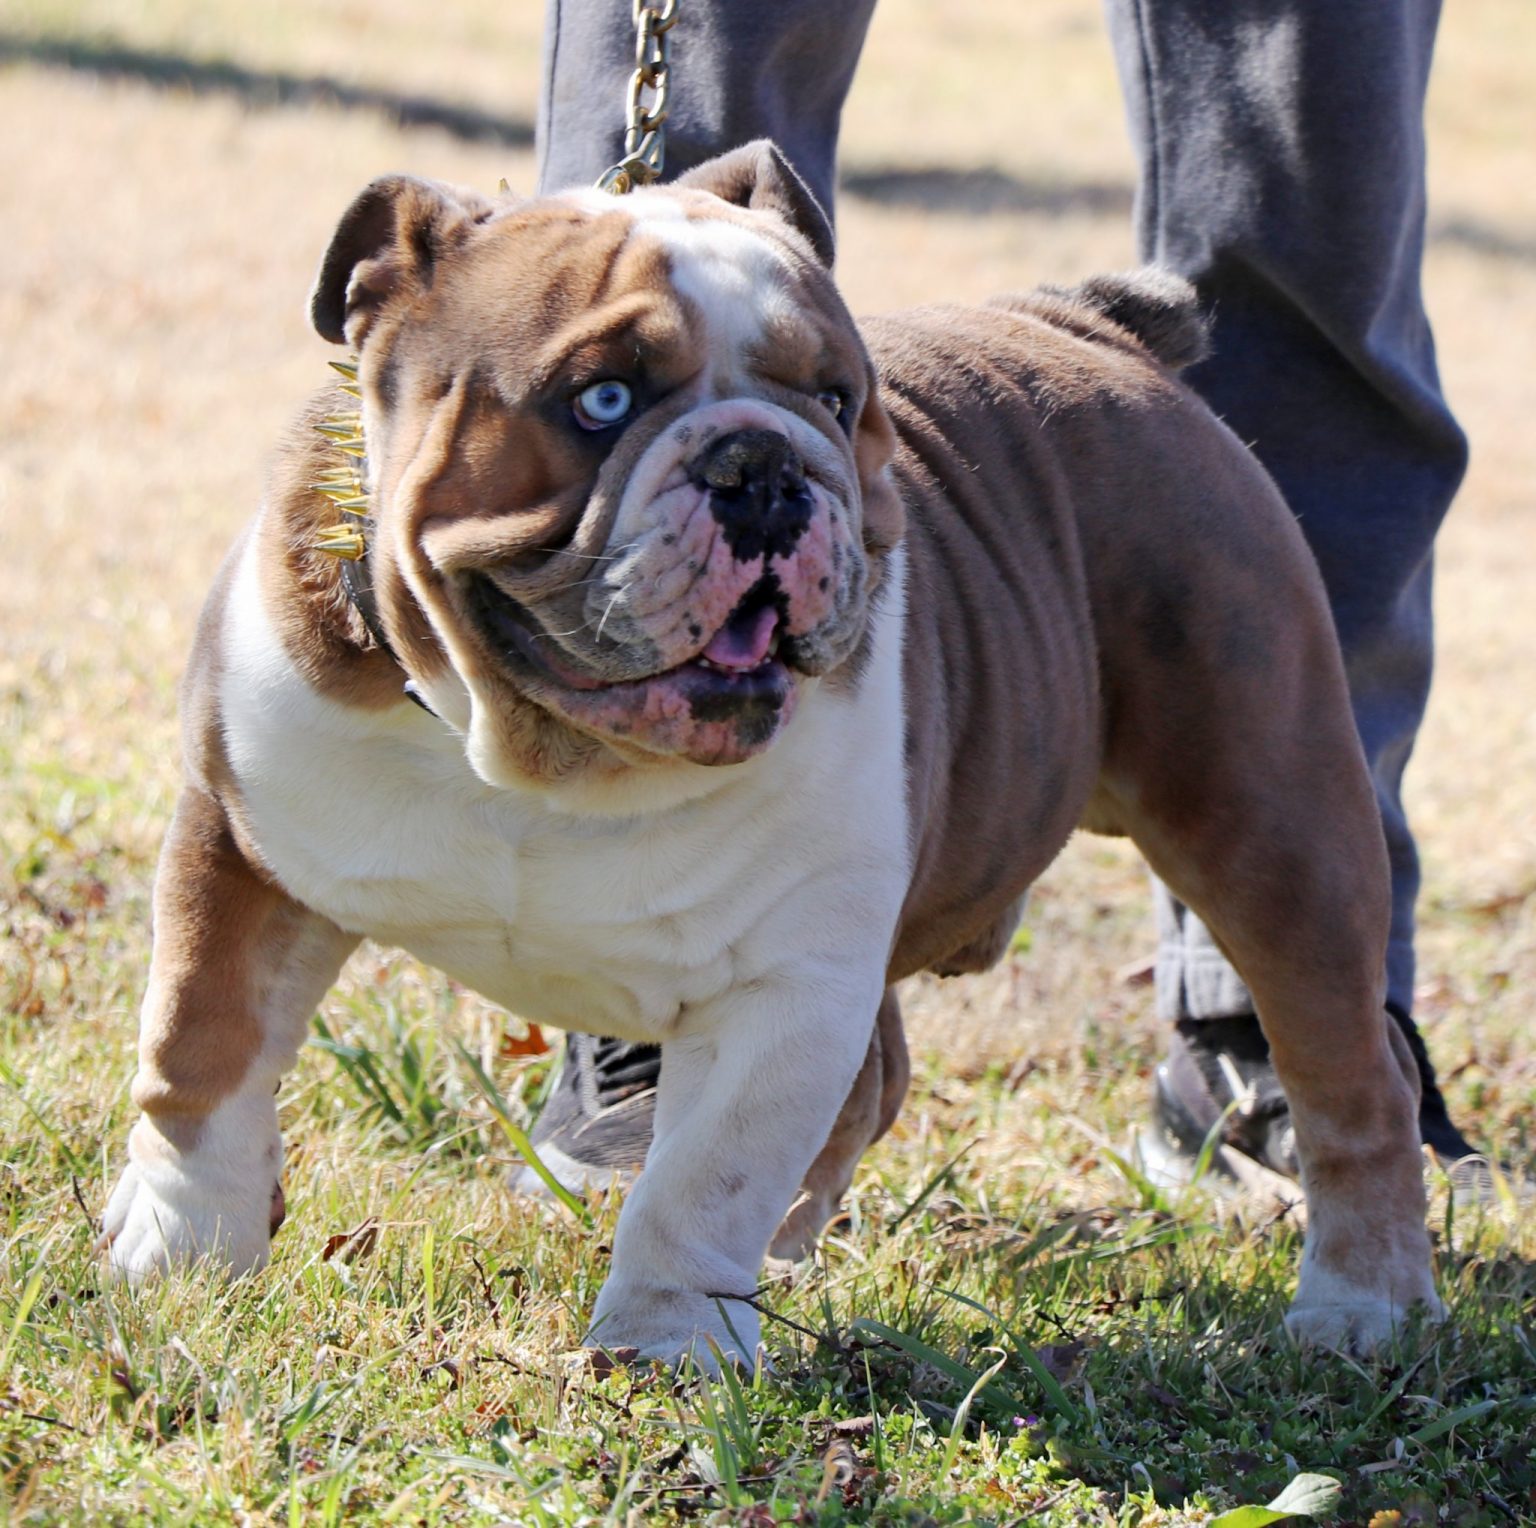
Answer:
(765, 663)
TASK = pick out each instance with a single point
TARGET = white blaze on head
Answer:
(736, 277)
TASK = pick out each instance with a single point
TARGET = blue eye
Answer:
(603, 404)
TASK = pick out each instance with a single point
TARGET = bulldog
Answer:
(761, 663)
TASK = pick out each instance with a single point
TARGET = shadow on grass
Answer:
(980, 192)
(990, 192)
(261, 87)
(983, 192)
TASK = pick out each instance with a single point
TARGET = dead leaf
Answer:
(603, 1361)
(531, 1044)
(353, 1244)
(1062, 1360)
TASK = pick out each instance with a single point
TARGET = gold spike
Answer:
(356, 505)
(342, 493)
(338, 429)
(353, 447)
(347, 368)
(342, 541)
(351, 389)
(502, 188)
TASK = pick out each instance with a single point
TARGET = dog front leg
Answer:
(747, 1099)
(236, 970)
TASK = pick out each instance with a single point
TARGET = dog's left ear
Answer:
(874, 446)
(758, 176)
(387, 243)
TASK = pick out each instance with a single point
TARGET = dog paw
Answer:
(1356, 1329)
(169, 1209)
(1357, 1315)
(1355, 1322)
(672, 1324)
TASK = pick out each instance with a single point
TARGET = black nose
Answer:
(757, 492)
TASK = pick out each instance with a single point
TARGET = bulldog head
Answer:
(625, 458)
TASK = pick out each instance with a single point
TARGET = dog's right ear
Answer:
(759, 177)
(387, 243)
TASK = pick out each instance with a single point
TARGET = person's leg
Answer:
(1281, 147)
(739, 70)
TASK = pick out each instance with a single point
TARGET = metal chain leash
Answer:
(646, 108)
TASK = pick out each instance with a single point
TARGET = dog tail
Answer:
(1156, 307)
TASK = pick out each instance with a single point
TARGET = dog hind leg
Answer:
(1252, 802)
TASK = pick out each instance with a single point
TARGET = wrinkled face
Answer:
(628, 474)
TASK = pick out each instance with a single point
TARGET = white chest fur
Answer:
(617, 922)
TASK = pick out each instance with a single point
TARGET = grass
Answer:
(1008, 1326)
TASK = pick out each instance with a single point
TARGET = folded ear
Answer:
(387, 242)
(758, 176)
(874, 446)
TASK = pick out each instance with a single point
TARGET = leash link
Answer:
(646, 102)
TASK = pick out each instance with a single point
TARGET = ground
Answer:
(173, 173)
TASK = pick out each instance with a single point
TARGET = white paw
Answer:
(1333, 1311)
(1357, 1330)
(669, 1324)
(210, 1202)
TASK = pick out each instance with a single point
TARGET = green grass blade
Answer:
(963, 1412)
(927, 1190)
(1056, 1398)
(24, 1306)
(518, 1138)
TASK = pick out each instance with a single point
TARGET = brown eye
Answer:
(834, 400)
(603, 405)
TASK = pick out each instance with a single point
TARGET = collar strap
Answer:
(349, 539)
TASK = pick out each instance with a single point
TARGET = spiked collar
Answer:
(350, 538)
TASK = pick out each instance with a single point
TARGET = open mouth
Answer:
(721, 705)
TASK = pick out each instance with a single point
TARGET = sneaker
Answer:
(1213, 1061)
(596, 1123)
(1210, 1062)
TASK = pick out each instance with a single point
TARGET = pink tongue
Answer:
(743, 642)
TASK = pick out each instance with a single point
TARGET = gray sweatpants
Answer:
(1281, 150)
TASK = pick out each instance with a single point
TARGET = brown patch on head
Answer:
(481, 467)
(555, 300)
